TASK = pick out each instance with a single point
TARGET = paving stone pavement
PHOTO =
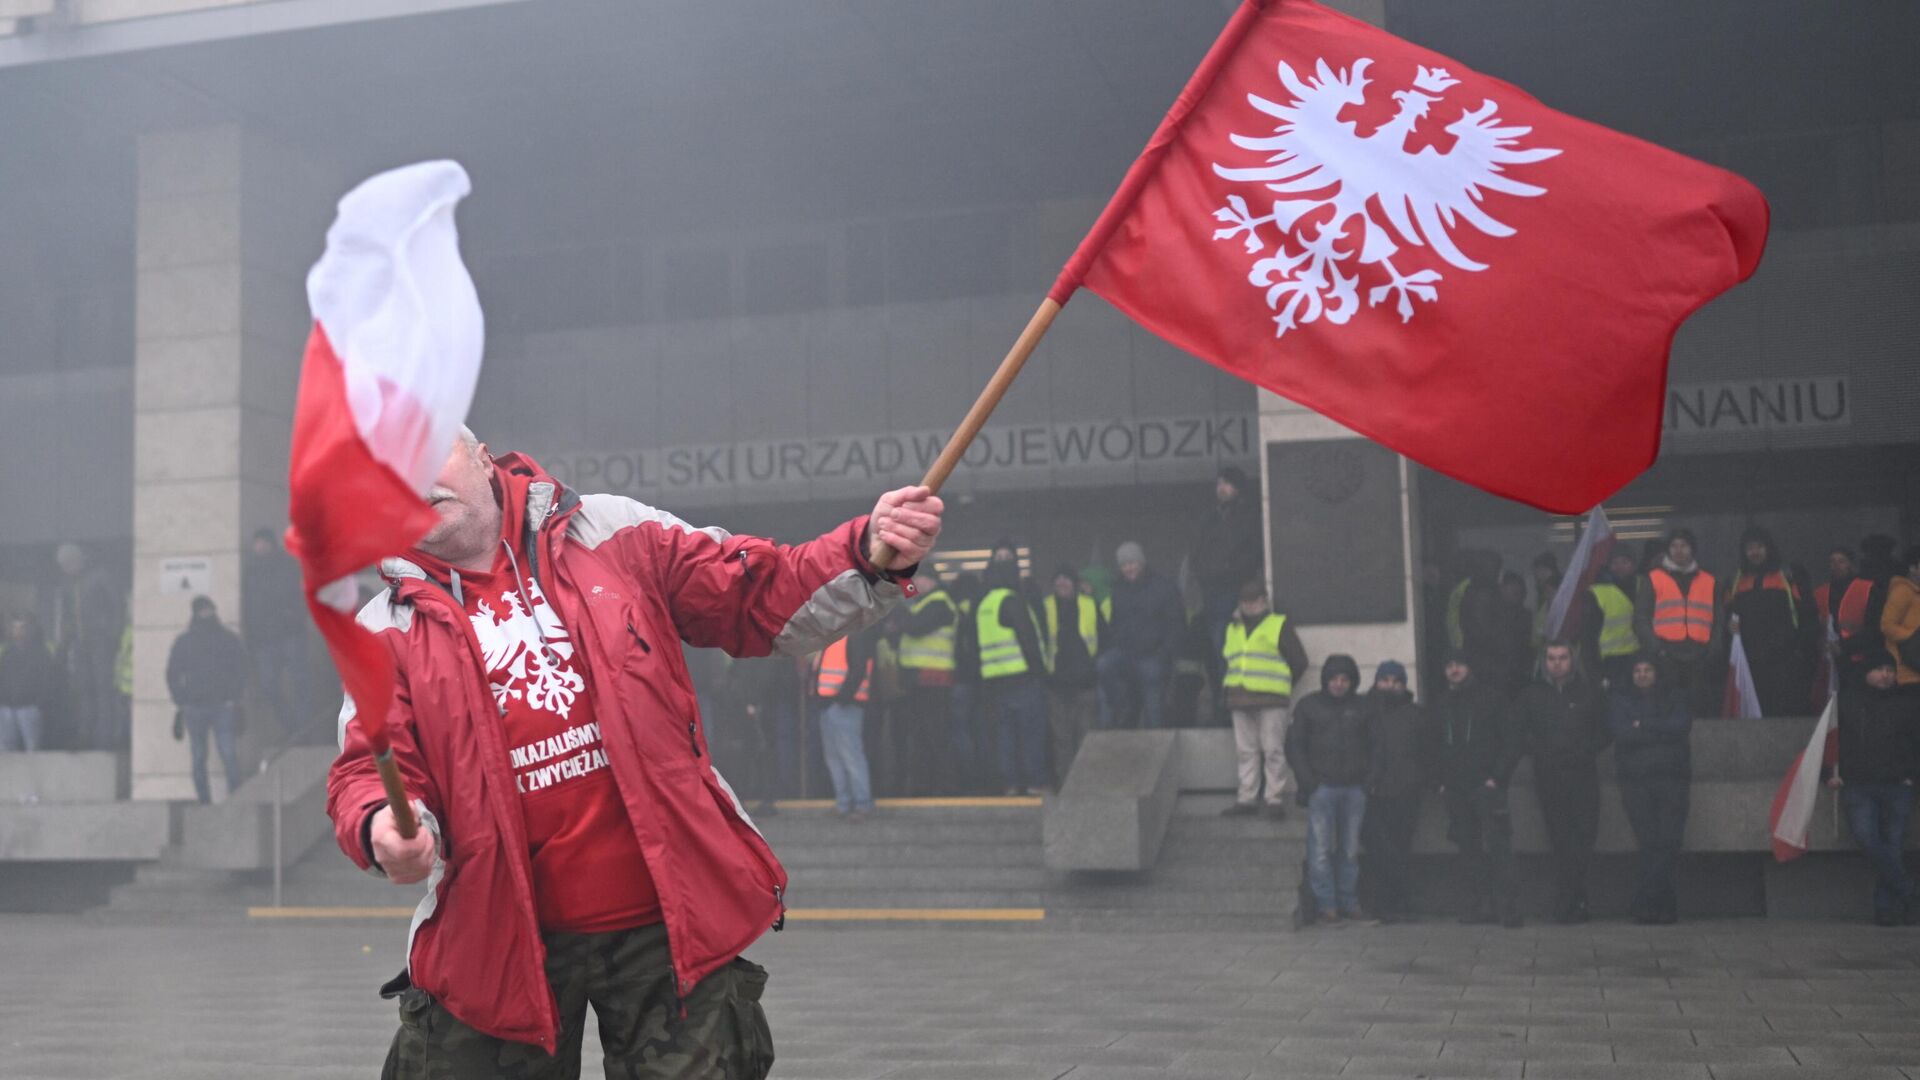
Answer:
(215, 999)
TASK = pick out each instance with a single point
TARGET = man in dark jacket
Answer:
(1678, 618)
(1879, 762)
(1477, 758)
(1397, 778)
(1771, 607)
(1330, 748)
(206, 674)
(31, 686)
(1013, 667)
(273, 615)
(1073, 629)
(1561, 721)
(1145, 619)
(1225, 555)
(1654, 759)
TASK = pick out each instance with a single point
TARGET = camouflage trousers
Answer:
(628, 979)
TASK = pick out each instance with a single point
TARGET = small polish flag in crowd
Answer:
(1589, 556)
(1794, 801)
(1742, 701)
(389, 373)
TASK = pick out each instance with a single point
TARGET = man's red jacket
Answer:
(632, 583)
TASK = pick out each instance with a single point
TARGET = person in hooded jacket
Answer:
(1477, 756)
(1561, 721)
(1879, 762)
(1678, 618)
(1228, 551)
(207, 674)
(1653, 756)
(1772, 609)
(1397, 778)
(1330, 748)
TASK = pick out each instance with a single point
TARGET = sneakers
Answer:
(1240, 809)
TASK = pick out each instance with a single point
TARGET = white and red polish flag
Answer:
(1589, 555)
(1742, 700)
(1426, 255)
(1794, 801)
(389, 373)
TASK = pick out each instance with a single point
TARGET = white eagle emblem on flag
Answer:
(1317, 160)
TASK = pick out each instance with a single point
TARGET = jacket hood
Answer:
(1339, 664)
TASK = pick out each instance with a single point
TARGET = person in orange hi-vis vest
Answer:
(1677, 617)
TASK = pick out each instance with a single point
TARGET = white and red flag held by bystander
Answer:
(1793, 803)
(1589, 556)
(389, 373)
(1421, 252)
(1741, 701)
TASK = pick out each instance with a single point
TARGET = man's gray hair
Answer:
(467, 438)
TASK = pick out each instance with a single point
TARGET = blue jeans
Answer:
(1877, 814)
(1130, 681)
(1019, 707)
(843, 743)
(1334, 814)
(221, 722)
(20, 728)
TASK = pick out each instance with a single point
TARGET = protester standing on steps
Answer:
(1262, 653)
(1879, 763)
(1074, 628)
(1398, 777)
(843, 687)
(1330, 747)
(1561, 721)
(1652, 752)
(207, 675)
(1476, 760)
(926, 667)
(31, 684)
(1013, 668)
(1145, 621)
(578, 846)
(1677, 617)
(1227, 552)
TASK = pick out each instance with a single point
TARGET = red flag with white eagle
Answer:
(389, 372)
(1799, 790)
(1423, 253)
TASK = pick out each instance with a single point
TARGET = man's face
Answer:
(1392, 684)
(1645, 675)
(1063, 587)
(1253, 607)
(1882, 677)
(1542, 575)
(1224, 491)
(1340, 685)
(1515, 591)
(1558, 663)
(1840, 564)
(1132, 570)
(463, 497)
(17, 631)
(1456, 672)
(1680, 550)
(1755, 551)
(1621, 566)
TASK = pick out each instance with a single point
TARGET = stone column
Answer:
(1343, 535)
(228, 221)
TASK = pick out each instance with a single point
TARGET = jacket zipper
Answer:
(746, 567)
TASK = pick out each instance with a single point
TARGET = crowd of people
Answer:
(72, 689)
(987, 683)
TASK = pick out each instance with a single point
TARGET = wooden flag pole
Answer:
(397, 801)
(983, 407)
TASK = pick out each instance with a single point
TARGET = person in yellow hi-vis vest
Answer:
(1073, 628)
(926, 668)
(1261, 655)
(1608, 624)
(1012, 670)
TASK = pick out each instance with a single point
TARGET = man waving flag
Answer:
(1420, 252)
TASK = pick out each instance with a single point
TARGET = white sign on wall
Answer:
(186, 575)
